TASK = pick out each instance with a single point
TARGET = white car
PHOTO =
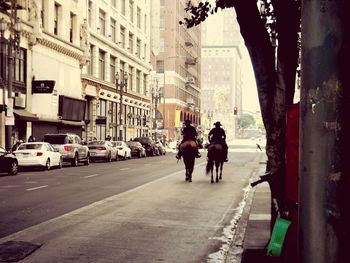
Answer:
(122, 148)
(40, 154)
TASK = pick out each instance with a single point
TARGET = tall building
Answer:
(177, 77)
(222, 72)
(118, 41)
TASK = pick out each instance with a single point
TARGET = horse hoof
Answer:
(190, 180)
(212, 181)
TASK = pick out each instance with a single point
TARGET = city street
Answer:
(139, 210)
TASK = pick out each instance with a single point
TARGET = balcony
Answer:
(6, 4)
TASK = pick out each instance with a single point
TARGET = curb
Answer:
(235, 252)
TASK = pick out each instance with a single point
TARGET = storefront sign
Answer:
(42, 86)
(101, 120)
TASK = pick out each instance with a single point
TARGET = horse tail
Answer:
(210, 165)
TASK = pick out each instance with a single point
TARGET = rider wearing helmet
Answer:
(188, 133)
(218, 135)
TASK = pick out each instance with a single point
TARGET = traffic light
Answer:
(235, 110)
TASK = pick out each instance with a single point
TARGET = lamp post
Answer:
(156, 95)
(9, 46)
(120, 85)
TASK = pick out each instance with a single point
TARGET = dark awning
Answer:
(25, 115)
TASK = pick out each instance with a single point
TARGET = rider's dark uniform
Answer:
(218, 135)
(188, 133)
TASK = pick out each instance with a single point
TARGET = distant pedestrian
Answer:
(108, 138)
(31, 138)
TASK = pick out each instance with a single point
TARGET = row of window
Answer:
(134, 77)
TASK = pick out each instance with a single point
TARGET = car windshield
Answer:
(56, 139)
(118, 144)
(96, 143)
(133, 143)
(31, 146)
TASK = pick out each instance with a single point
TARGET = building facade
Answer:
(177, 75)
(222, 72)
(65, 71)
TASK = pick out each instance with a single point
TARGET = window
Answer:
(73, 18)
(131, 11)
(138, 18)
(42, 13)
(161, 45)
(131, 43)
(121, 70)
(122, 36)
(161, 23)
(160, 66)
(145, 24)
(138, 48)
(112, 69)
(102, 22)
(20, 66)
(114, 3)
(130, 80)
(56, 19)
(101, 128)
(144, 84)
(90, 13)
(145, 52)
(138, 81)
(122, 7)
(113, 30)
(101, 64)
(91, 63)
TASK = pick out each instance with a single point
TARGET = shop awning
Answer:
(25, 115)
(73, 123)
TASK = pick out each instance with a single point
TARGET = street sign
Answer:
(42, 86)
(9, 110)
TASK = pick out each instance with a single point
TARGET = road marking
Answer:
(123, 169)
(91, 175)
(35, 188)
(10, 186)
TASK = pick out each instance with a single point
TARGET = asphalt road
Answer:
(138, 210)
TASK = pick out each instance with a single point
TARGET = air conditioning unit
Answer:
(20, 100)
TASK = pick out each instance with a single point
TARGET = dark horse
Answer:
(188, 151)
(215, 155)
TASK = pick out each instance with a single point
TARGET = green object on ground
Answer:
(277, 238)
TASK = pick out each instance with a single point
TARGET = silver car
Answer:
(102, 150)
(70, 147)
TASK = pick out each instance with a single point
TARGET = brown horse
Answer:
(215, 155)
(188, 151)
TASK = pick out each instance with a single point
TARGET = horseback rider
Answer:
(218, 135)
(188, 133)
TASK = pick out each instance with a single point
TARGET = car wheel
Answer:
(60, 163)
(87, 162)
(13, 169)
(75, 160)
(47, 165)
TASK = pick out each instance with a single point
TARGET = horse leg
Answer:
(217, 171)
(221, 165)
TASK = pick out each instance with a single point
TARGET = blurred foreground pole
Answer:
(325, 148)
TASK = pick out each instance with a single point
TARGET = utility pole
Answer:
(324, 212)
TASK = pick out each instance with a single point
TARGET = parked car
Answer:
(40, 154)
(149, 145)
(70, 146)
(136, 149)
(173, 146)
(161, 148)
(8, 162)
(102, 150)
(122, 149)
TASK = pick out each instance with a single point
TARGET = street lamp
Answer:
(8, 47)
(120, 85)
(156, 95)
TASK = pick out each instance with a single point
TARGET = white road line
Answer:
(123, 169)
(35, 188)
(91, 175)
